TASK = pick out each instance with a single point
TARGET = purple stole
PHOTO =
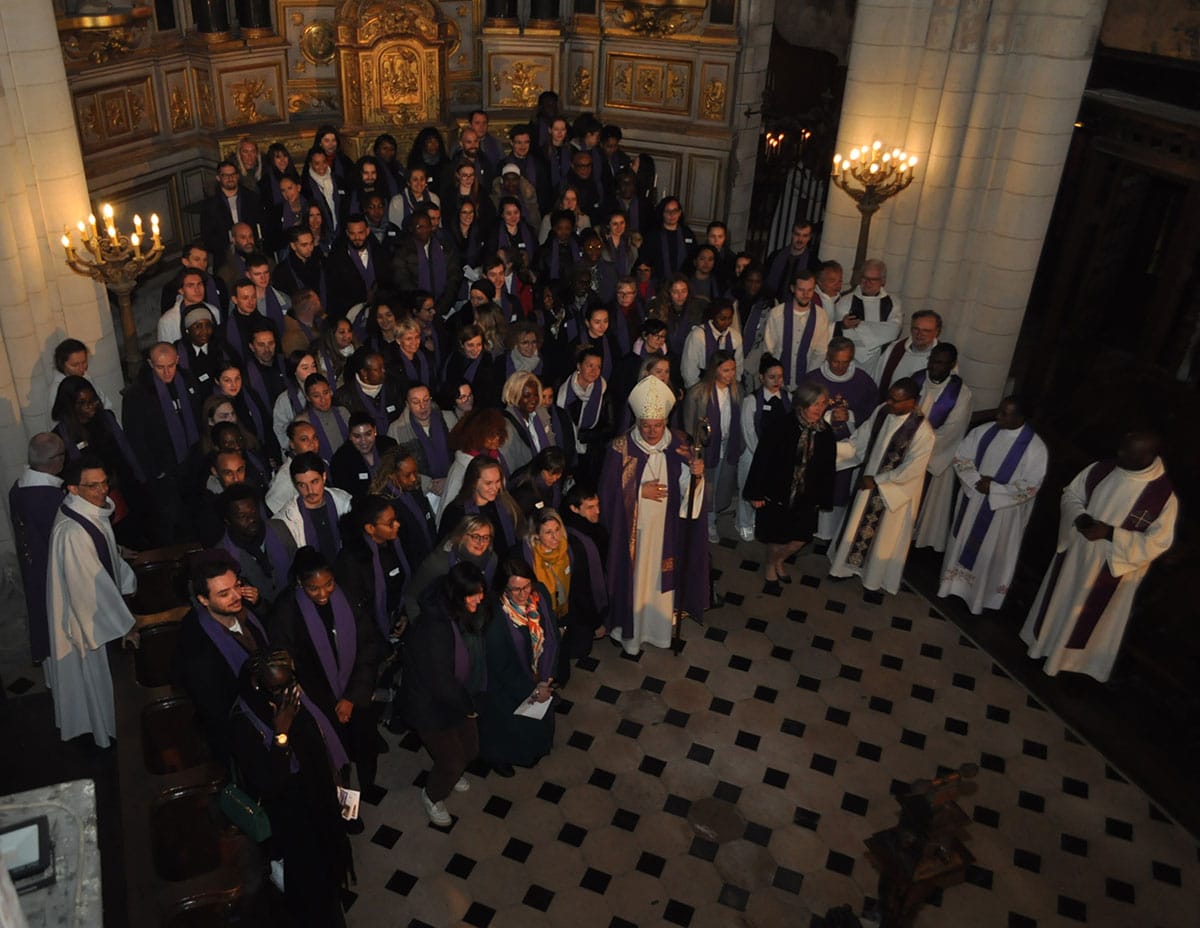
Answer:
(944, 404)
(366, 269)
(276, 553)
(408, 502)
(322, 438)
(633, 211)
(416, 370)
(252, 410)
(488, 566)
(556, 248)
(181, 423)
(760, 406)
(506, 523)
(381, 612)
(753, 322)
(310, 530)
(620, 256)
(1145, 510)
(119, 437)
(667, 267)
(595, 568)
(377, 407)
(274, 310)
(522, 239)
(560, 164)
(865, 533)
(235, 655)
(514, 416)
(98, 539)
(431, 268)
(589, 412)
(795, 361)
(339, 666)
(237, 338)
(258, 391)
(462, 657)
(983, 518)
(714, 343)
(294, 395)
(437, 451)
(333, 744)
(210, 291)
(733, 449)
(889, 368)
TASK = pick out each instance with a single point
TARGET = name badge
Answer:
(394, 571)
(202, 378)
(364, 476)
(391, 408)
(82, 445)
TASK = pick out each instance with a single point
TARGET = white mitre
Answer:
(651, 399)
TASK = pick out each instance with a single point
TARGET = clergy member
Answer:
(905, 356)
(946, 404)
(85, 606)
(1117, 516)
(660, 568)
(1000, 466)
(894, 447)
(869, 315)
(852, 398)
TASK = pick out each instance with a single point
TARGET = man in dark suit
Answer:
(424, 262)
(230, 204)
(195, 258)
(356, 267)
(303, 268)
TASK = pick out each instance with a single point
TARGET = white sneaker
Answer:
(747, 534)
(436, 811)
(713, 535)
(462, 785)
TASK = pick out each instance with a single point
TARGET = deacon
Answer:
(946, 403)
(1117, 517)
(85, 605)
(1000, 466)
(797, 331)
(894, 447)
(869, 315)
(660, 568)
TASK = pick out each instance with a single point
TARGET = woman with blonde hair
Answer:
(528, 429)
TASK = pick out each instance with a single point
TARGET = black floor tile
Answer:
(538, 897)
(699, 674)
(879, 704)
(595, 880)
(608, 694)
(712, 633)
(1031, 801)
(629, 729)
(730, 792)
(1072, 908)
(1034, 749)
(792, 727)
(460, 866)
(386, 836)
(855, 805)
(652, 765)
(823, 764)
(862, 634)
(963, 681)
(677, 805)
(678, 913)
(653, 684)
(923, 693)
(797, 615)
(676, 718)
(479, 915)
(581, 740)
(1073, 787)
(497, 806)
(806, 818)
(704, 849)
(1073, 845)
(776, 778)
(1119, 890)
(1027, 860)
(782, 654)
(834, 605)
(839, 863)
(700, 753)
(821, 643)
(765, 694)
(837, 716)
(808, 683)
(550, 792)
(998, 714)
(891, 662)
(757, 834)
(650, 864)
(517, 850)
(788, 880)
(850, 672)
(602, 778)
(957, 726)
(1118, 829)
(902, 624)
(401, 883)
(747, 740)
(979, 876)
(985, 816)
(756, 625)
(1165, 873)
(721, 706)
(869, 751)
(734, 896)
(737, 662)
(931, 651)
(625, 820)
(572, 834)
(991, 762)
(914, 739)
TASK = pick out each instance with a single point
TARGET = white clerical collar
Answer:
(36, 478)
(371, 391)
(829, 298)
(862, 296)
(92, 511)
(908, 347)
(659, 446)
(1153, 472)
(838, 378)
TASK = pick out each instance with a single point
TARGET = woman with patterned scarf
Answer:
(522, 649)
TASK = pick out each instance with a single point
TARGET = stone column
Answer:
(986, 94)
(42, 190)
(755, 19)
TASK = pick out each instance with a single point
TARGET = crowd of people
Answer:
(441, 423)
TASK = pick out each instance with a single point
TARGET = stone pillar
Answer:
(754, 26)
(42, 190)
(986, 94)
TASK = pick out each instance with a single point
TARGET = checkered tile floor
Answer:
(734, 785)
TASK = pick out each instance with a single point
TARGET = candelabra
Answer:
(870, 177)
(117, 261)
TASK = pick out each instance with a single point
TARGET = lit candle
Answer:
(66, 240)
(92, 223)
(82, 228)
(154, 229)
(107, 211)
(137, 224)
(135, 241)
(854, 154)
(912, 161)
(112, 233)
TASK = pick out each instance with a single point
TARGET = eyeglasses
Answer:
(480, 538)
(520, 590)
(227, 174)
(872, 280)
(99, 484)
(463, 397)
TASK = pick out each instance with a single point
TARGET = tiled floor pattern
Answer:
(734, 785)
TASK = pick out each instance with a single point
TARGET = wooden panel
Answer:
(703, 190)
(115, 114)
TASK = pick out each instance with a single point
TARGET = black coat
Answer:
(344, 278)
(347, 467)
(216, 220)
(146, 427)
(770, 476)
(432, 697)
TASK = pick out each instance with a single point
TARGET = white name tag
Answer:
(394, 571)
(364, 476)
(390, 408)
(82, 445)
(202, 378)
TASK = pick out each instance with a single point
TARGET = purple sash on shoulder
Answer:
(589, 412)
(310, 530)
(713, 343)
(210, 291)
(795, 362)
(333, 744)
(431, 268)
(323, 439)
(377, 407)
(119, 436)
(983, 519)
(944, 404)
(181, 423)
(556, 249)
(668, 266)
(1145, 511)
(409, 502)
(595, 569)
(97, 536)
(235, 655)
(276, 553)
(436, 448)
(274, 310)
(337, 667)
(381, 611)
(366, 269)
(733, 448)
(506, 522)
(417, 369)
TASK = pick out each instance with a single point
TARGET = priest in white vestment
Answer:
(797, 331)
(84, 589)
(1117, 517)
(905, 356)
(946, 402)
(893, 446)
(658, 559)
(999, 466)
(870, 316)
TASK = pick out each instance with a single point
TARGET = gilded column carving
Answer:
(581, 87)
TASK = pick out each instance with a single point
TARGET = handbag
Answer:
(244, 812)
